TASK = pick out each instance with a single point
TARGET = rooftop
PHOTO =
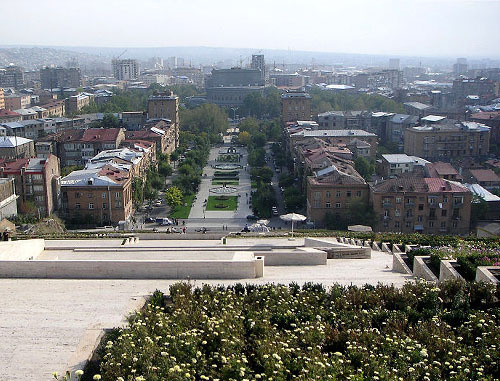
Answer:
(105, 176)
(418, 185)
(13, 141)
(484, 175)
(478, 190)
(333, 133)
(401, 158)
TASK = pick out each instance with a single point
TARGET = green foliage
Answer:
(244, 138)
(164, 169)
(325, 101)
(310, 332)
(262, 106)
(263, 199)
(264, 174)
(256, 157)
(65, 171)
(207, 118)
(183, 210)
(357, 213)
(137, 191)
(295, 200)
(365, 167)
(479, 209)
(173, 196)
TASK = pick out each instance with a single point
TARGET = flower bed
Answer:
(419, 332)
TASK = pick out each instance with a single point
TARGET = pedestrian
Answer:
(184, 230)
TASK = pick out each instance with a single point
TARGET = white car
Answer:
(158, 203)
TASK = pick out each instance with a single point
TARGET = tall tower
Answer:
(259, 63)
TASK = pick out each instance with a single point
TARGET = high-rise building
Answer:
(461, 66)
(165, 106)
(60, 77)
(394, 63)
(259, 63)
(125, 70)
(12, 76)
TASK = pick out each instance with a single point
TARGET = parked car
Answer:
(158, 203)
(149, 219)
(252, 217)
(164, 221)
(275, 211)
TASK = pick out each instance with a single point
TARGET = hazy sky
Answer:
(454, 28)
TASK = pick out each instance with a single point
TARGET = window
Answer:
(420, 206)
(349, 193)
(91, 195)
(358, 193)
(328, 205)
(445, 199)
(409, 213)
(103, 195)
(386, 213)
(338, 194)
(328, 195)
(77, 195)
(396, 224)
(419, 218)
(444, 212)
(397, 213)
(91, 205)
(118, 204)
(455, 224)
(37, 177)
(38, 188)
(337, 205)
(316, 203)
(104, 205)
(408, 224)
(317, 195)
(443, 224)
(386, 224)
(77, 205)
(431, 224)
(398, 200)
(118, 195)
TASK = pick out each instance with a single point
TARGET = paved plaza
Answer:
(49, 325)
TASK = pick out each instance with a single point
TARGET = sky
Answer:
(438, 28)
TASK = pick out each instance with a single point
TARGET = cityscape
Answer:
(251, 205)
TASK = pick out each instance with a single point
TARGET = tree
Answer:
(364, 167)
(109, 121)
(244, 138)
(263, 174)
(173, 196)
(479, 209)
(294, 199)
(137, 191)
(165, 169)
(258, 140)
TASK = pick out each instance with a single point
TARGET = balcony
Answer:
(409, 204)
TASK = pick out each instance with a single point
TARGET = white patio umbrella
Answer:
(263, 222)
(293, 217)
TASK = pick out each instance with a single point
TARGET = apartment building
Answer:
(77, 146)
(164, 106)
(295, 105)
(131, 159)
(17, 101)
(13, 147)
(396, 128)
(345, 120)
(333, 190)
(104, 194)
(37, 180)
(332, 137)
(59, 77)
(162, 132)
(442, 170)
(448, 141)
(12, 77)
(8, 197)
(75, 103)
(9, 116)
(125, 70)
(55, 107)
(391, 165)
(423, 205)
(490, 119)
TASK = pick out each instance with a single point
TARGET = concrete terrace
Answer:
(51, 324)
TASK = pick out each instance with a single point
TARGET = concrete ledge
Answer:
(130, 269)
(178, 236)
(447, 271)
(305, 256)
(319, 242)
(396, 249)
(21, 250)
(483, 274)
(385, 247)
(356, 252)
(375, 246)
(421, 270)
(399, 265)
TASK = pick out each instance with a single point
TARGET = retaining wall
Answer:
(447, 271)
(421, 270)
(21, 250)
(483, 274)
(399, 265)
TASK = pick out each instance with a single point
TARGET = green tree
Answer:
(258, 140)
(365, 167)
(173, 196)
(165, 169)
(294, 199)
(109, 121)
(263, 200)
(244, 137)
(137, 191)
(479, 209)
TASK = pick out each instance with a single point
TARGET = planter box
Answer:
(385, 247)
(447, 271)
(483, 274)
(375, 246)
(396, 249)
(421, 270)
(399, 265)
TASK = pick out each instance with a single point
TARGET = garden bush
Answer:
(418, 332)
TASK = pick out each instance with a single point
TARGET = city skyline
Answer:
(440, 28)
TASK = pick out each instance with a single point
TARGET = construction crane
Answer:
(121, 54)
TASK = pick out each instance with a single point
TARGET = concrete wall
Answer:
(484, 275)
(294, 257)
(21, 250)
(399, 265)
(353, 252)
(420, 270)
(447, 271)
(86, 269)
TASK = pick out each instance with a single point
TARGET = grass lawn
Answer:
(227, 182)
(182, 211)
(230, 203)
